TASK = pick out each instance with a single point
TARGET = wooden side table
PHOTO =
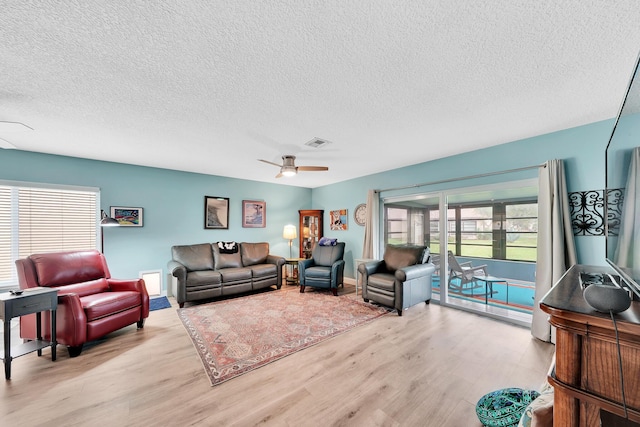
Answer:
(33, 300)
(292, 279)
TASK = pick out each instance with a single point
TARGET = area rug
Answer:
(158, 303)
(238, 335)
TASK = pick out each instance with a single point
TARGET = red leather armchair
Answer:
(90, 303)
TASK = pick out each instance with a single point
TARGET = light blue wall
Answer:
(173, 201)
(173, 204)
(582, 149)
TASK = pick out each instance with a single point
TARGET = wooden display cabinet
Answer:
(311, 221)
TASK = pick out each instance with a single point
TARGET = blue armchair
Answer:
(325, 268)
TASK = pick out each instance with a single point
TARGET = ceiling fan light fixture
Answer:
(288, 171)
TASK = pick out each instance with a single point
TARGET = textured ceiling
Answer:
(212, 86)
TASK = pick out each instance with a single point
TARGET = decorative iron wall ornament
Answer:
(615, 199)
(588, 209)
(587, 212)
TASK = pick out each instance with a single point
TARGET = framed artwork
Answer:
(127, 217)
(338, 219)
(254, 214)
(216, 213)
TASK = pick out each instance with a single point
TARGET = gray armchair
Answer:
(401, 280)
(325, 268)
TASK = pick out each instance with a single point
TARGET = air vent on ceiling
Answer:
(317, 143)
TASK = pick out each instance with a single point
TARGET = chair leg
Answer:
(74, 351)
(399, 312)
(334, 291)
(302, 289)
(427, 301)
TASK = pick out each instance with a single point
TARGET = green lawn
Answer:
(469, 249)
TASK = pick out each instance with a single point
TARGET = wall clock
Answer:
(360, 214)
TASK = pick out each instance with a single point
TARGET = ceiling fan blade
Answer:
(271, 163)
(279, 175)
(313, 168)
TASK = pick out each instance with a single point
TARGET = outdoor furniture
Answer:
(489, 281)
(466, 278)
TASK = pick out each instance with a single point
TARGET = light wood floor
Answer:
(426, 368)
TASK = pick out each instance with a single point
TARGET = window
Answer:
(493, 229)
(521, 231)
(406, 225)
(497, 230)
(36, 220)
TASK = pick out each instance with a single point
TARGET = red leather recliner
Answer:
(90, 303)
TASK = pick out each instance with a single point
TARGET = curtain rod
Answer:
(482, 175)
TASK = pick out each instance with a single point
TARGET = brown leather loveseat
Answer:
(90, 303)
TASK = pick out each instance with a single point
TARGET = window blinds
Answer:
(6, 263)
(44, 220)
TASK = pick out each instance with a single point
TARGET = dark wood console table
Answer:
(587, 380)
(34, 300)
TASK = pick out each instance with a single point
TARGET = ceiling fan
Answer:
(288, 167)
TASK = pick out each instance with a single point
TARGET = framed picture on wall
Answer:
(216, 213)
(127, 217)
(254, 214)
(338, 219)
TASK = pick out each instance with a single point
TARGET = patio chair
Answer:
(463, 276)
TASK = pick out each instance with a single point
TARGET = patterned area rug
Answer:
(238, 335)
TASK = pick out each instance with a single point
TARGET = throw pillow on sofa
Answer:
(326, 241)
(225, 260)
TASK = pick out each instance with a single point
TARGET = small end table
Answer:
(489, 281)
(292, 279)
(32, 300)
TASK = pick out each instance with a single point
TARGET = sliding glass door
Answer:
(493, 227)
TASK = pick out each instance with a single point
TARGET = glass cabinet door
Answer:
(310, 230)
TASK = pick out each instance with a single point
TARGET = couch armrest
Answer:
(71, 321)
(369, 268)
(177, 270)
(414, 271)
(136, 285)
(274, 259)
(337, 272)
(119, 285)
(305, 263)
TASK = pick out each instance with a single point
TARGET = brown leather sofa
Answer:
(209, 270)
(400, 280)
(90, 303)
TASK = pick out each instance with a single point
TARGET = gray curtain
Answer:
(556, 247)
(630, 222)
(370, 246)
